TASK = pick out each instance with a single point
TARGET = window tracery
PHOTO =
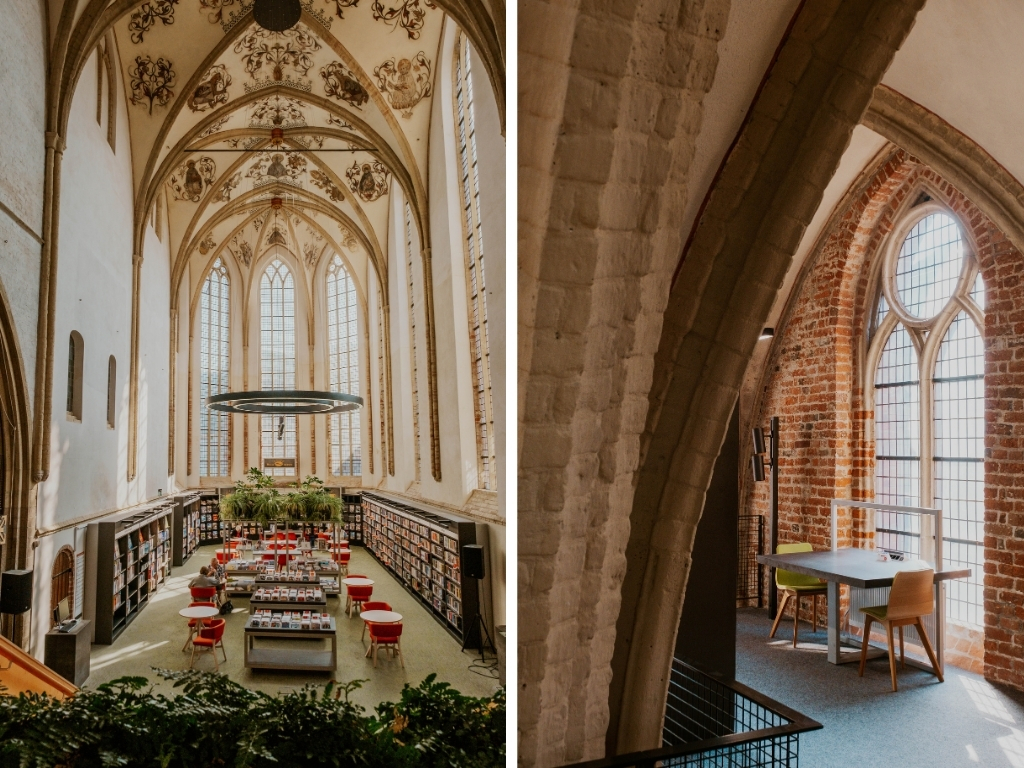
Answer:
(343, 353)
(278, 439)
(214, 370)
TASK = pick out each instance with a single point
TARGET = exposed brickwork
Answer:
(827, 447)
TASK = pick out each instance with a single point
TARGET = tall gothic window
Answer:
(412, 343)
(343, 340)
(469, 188)
(214, 370)
(929, 417)
(278, 440)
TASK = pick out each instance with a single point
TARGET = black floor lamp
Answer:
(758, 462)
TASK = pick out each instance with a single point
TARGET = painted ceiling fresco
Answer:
(294, 139)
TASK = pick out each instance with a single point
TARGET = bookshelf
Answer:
(129, 558)
(422, 549)
(210, 529)
(353, 517)
(185, 531)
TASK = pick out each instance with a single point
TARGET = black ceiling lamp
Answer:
(277, 15)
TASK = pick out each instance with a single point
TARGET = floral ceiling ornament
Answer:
(277, 112)
(151, 81)
(211, 91)
(214, 127)
(224, 195)
(207, 245)
(333, 120)
(217, 7)
(323, 181)
(347, 240)
(405, 82)
(147, 14)
(339, 4)
(273, 52)
(408, 15)
(368, 180)
(257, 223)
(312, 253)
(340, 83)
(192, 179)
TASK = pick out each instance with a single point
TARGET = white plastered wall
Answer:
(89, 460)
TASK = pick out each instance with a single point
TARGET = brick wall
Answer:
(813, 378)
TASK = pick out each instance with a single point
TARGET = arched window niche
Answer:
(926, 366)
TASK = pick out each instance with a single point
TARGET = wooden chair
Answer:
(193, 623)
(210, 637)
(911, 597)
(372, 605)
(387, 636)
(356, 597)
(796, 585)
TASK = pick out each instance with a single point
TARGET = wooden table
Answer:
(859, 568)
(286, 658)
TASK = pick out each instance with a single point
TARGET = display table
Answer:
(67, 653)
(286, 605)
(299, 658)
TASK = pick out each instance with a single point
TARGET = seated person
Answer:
(203, 579)
(218, 572)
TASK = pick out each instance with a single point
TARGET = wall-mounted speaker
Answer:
(15, 591)
(473, 561)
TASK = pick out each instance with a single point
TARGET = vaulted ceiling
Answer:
(296, 139)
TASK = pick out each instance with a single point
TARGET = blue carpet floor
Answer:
(965, 721)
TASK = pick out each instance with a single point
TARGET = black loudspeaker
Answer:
(15, 591)
(473, 561)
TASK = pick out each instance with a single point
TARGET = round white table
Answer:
(381, 617)
(353, 582)
(199, 612)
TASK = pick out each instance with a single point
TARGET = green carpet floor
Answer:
(156, 636)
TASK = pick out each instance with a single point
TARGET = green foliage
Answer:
(254, 498)
(214, 721)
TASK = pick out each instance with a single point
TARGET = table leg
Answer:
(833, 622)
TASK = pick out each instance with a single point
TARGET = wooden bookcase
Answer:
(353, 517)
(185, 531)
(128, 558)
(423, 550)
(210, 530)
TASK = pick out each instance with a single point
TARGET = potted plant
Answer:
(254, 498)
(312, 502)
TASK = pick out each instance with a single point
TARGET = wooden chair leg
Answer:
(376, 650)
(192, 659)
(864, 644)
(223, 650)
(778, 616)
(928, 648)
(903, 657)
(188, 640)
(892, 655)
(398, 650)
(814, 622)
(796, 615)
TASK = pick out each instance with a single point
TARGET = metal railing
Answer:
(710, 723)
(749, 573)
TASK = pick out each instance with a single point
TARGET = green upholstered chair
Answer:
(794, 586)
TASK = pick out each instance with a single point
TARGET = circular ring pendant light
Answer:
(288, 402)
(277, 15)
